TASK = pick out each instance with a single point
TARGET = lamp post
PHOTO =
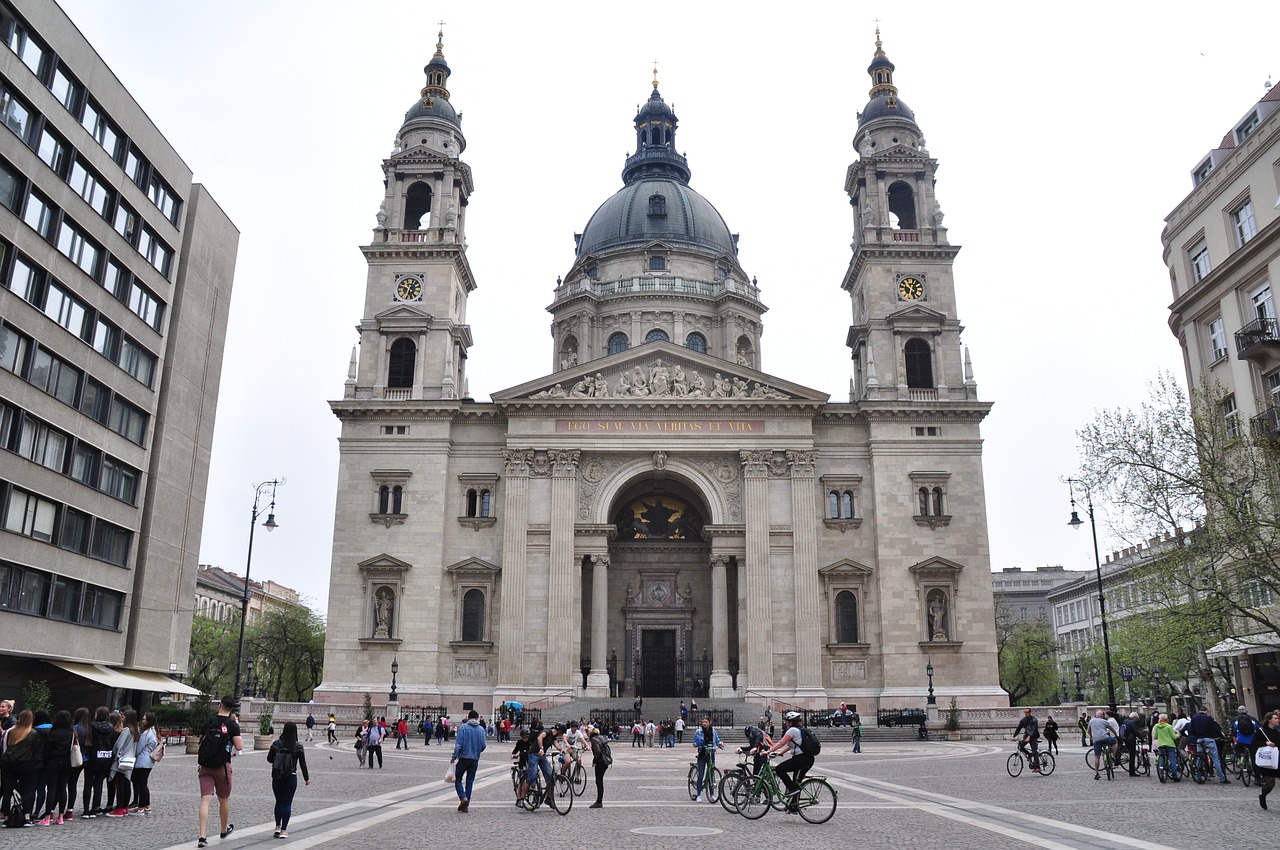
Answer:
(1075, 522)
(248, 680)
(395, 668)
(269, 525)
(928, 670)
(1066, 697)
(1079, 689)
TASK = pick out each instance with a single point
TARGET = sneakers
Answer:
(283, 834)
(70, 815)
(230, 827)
(61, 820)
(202, 842)
(44, 821)
(599, 805)
(117, 813)
(699, 799)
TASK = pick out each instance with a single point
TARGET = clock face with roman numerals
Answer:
(409, 288)
(910, 288)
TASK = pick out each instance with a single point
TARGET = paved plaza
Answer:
(949, 795)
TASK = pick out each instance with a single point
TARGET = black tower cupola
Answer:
(655, 154)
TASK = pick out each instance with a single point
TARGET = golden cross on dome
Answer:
(655, 73)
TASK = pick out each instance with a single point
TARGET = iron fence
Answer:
(900, 717)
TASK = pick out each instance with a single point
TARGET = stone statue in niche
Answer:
(383, 608)
(937, 615)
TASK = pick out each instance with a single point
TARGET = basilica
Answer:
(658, 516)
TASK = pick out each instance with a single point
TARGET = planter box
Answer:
(193, 745)
(262, 742)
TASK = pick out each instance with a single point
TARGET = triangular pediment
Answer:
(660, 372)
(401, 312)
(936, 566)
(845, 568)
(418, 155)
(917, 313)
(383, 563)
(474, 567)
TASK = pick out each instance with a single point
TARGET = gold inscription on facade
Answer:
(670, 426)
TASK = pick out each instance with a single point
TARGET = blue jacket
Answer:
(470, 742)
(698, 738)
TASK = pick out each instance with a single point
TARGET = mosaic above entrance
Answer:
(659, 518)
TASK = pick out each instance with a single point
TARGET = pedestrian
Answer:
(220, 742)
(17, 765)
(649, 730)
(126, 757)
(286, 756)
(402, 733)
(637, 733)
(332, 728)
(1268, 736)
(426, 731)
(469, 743)
(80, 729)
(638, 706)
(1205, 731)
(440, 731)
(857, 734)
(706, 741)
(447, 724)
(101, 740)
(1129, 735)
(362, 741)
(601, 760)
(6, 713)
(43, 725)
(57, 768)
(1051, 735)
(1165, 737)
(148, 741)
(504, 729)
(374, 743)
(311, 724)
(684, 712)
(844, 714)
(1083, 723)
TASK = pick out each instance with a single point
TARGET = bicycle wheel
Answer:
(1014, 764)
(1246, 772)
(1231, 766)
(693, 782)
(562, 799)
(725, 790)
(1198, 772)
(1143, 764)
(817, 800)
(1046, 764)
(1162, 768)
(1110, 766)
(753, 797)
(579, 779)
(711, 787)
(1090, 760)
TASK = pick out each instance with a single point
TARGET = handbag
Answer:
(77, 754)
(158, 753)
(448, 775)
(1268, 757)
(126, 763)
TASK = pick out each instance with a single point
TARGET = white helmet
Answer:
(792, 715)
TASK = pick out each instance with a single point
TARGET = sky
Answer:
(1065, 135)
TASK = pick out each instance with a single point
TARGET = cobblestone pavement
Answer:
(952, 795)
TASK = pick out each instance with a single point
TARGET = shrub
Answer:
(953, 717)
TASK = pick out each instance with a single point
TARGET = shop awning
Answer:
(136, 680)
(1249, 644)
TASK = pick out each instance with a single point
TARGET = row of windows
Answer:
(43, 594)
(620, 342)
(47, 294)
(45, 371)
(28, 436)
(215, 610)
(73, 96)
(840, 505)
(1244, 226)
(56, 227)
(930, 502)
(1261, 306)
(42, 519)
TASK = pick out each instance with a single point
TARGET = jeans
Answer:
(402, 739)
(705, 763)
(284, 787)
(1211, 747)
(466, 769)
(536, 763)
(1171, 757)
(375, 748)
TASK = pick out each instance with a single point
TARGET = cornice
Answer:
(587, 408)
(378, 408)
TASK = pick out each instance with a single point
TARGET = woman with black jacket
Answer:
(79, 728)
(286, 756)
(57, 768)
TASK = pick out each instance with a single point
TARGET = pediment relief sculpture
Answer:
(664, 380)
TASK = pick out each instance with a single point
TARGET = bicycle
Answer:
(711, 784)
(1242, 766)
(1163, 771)
(815, 799)
(561, 801)
(1108, 762)
(1043, 761)
(729, 779)
(571, 766)
(1201, 765)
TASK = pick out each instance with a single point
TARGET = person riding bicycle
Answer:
(1130, 737)
(795, 768)
(706, 741)
(1100, 732)
(1029, 726)
(1206, 732)
(540, 756)
(757, 746)
(1166, 737)
(1245, 728)
(520, 755)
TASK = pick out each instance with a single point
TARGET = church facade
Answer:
(658, 516)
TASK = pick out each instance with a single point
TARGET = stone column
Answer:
(721, 682)
(804, 539)
(515, 521)
(562, 634)
(598, 678)
(759, 590)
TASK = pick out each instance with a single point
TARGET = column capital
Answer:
(564, 462)
(755, 464)
(720, 560)
(518, 461)
(600, 559)
(802, 463)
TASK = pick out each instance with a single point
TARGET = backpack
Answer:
(104, 745)
(158, 753)
(1244, 726)
(809, 743)
(606, 754)
(214, 743)
(13, 817)
(284, 763)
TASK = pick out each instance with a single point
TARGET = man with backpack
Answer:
(219, 743)
(1244, 727)
(803, 746)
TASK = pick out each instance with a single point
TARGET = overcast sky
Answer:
(1065, 134)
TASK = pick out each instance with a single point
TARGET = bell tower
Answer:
(905, 335)
(414, 337)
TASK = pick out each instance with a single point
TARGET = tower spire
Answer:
(437, 71)
(881, 71)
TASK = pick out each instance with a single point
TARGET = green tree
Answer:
(211, 660)
(36, 696)
(1028, 669)
(287, 644)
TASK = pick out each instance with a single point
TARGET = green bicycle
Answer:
(755, 795)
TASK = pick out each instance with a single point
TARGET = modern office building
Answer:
(117, 273)
(1222, 247)
(656, 514)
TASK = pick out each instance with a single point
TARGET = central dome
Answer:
(657, 208)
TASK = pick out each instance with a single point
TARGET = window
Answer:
(618, 343)
(15, 113)
(1230, 417)
(106, 339)
(10, 187)
(119, 480)
(95, 402)
(23, 43)
(922, 497)
(1201, 174)
(846, 617)
(79, 248)
(76, 529)
(473, 615)
(13, 350)
(116, 280)
(919, 363)
(1243, 223)
(656, 335)
(126, 223)
(66, 89)
(90, 187)
(657, 205)
(1263, 307)
(1200, 266)
(479, 503)
(127, 420)
(137, 361)
(390, 499)
(840, 504)
(40, 214)
(143, 303)
(1022, 613)
(55, 377)
(400, 369)
(40, 443)
(85, 460)
(110, 543)
(27, 281)
(1217, 340)
(1246, 127)
(136, 166)
(30, 515)
(162, 196)
(54, 150)
(100, 127)
(696, 342)
(657, 264)
(1272, 382)
(101, 607)
(66, 310)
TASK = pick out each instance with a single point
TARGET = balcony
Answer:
(922, 394)
(1259, 343)
(1266, 425)
(906, 235)
(665, 283)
